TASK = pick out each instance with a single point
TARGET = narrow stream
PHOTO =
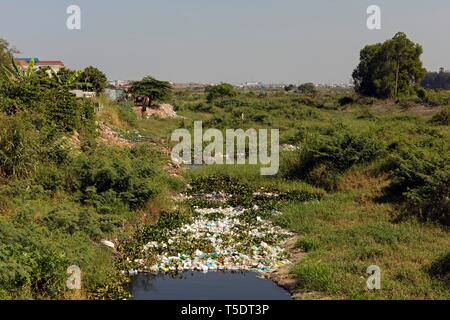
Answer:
(205, 286)
(223, 253)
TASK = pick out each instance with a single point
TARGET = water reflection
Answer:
(205, 286)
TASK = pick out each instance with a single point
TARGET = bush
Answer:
(434, 98)
(219, 92)
(17, 147)
(307, 88)
(109, 176)
(231, 103)
(71, 219)
(430, 202)
(325, 157)
(201, 107)
(50, 99)
(345, 101)
(421, 178)
(441, 269)
(32, 261)
(51, 178)
(442, 117)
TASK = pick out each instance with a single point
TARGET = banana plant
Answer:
(73, 77)
(14, 73)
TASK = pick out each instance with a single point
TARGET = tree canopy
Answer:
(92, 79)
(389, 69)
(307, 88)
(152, 88)
(5, 53)
(221, 91)
(437, 80)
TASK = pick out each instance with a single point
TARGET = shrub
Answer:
(231, 103)
(64, 219)
(219, 92)
(431, 201)
(365, 114)
(49, 98)
(325, 157)
(421, 178)
(442, 117)
(434, 98)
(201, 107)
(344, 101)
(110, 175)
(17, 147)
(307, 88)
(440, 269)
(51, 178)
(32, 261)
(259, 118)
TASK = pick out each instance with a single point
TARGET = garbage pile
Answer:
(224, 238)
(163, 111)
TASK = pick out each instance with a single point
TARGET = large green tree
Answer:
(93, 79)
(389, 69)
(307, 88)
(221, 91)
(151, 88)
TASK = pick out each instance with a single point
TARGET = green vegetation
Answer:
(92, 79)
(437, 80)
(219, 92)
(363, 181)
(325, 156)
(5, 54)
(390, 69)
(151, 88)
(61, 192)
(385, 170)
(307, 88)
(442, 117)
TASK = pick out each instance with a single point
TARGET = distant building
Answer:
(83, 94)
(191, 86)
(120, 84)
(251, 85)
(114, 94)
(54, 65)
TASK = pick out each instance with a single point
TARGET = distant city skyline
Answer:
(268, 41)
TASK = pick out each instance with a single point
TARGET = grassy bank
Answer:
(367, 185)
(384, 170)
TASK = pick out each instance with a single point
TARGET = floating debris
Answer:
(108, 244)
(224, 238)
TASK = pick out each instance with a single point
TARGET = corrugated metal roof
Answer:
(27, 59)
(50, 62)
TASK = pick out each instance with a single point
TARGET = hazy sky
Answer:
(274, 41)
